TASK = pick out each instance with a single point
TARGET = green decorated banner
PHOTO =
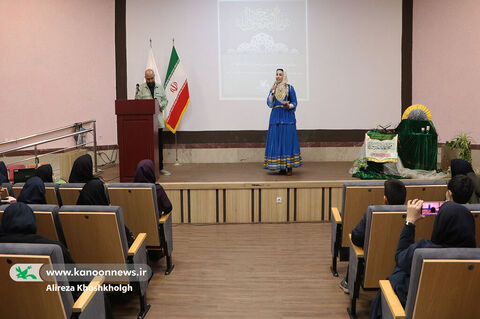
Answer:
(381, 147)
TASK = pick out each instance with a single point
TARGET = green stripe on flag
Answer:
(172, 65)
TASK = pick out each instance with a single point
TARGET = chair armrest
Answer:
(336, 215)
(358, 250)
(393, 302)
(87, 295)
(164, 218)
(132, 251)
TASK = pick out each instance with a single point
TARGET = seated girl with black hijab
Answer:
(20, 226)
(94, 192)
(82, 170)
(454, 226)
(145, 173)
(45, 172)
(33, 192)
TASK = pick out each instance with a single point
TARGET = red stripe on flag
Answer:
(177, 109)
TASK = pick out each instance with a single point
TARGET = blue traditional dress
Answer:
(282, 150)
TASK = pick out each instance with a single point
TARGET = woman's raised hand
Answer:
(414, 210)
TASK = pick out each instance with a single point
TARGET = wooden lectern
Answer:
(137, 133)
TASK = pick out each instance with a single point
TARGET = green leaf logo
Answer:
(23, 274)
(26, 272)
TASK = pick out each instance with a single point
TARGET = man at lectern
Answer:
(152, 90)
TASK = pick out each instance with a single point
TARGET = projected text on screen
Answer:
(256, 38)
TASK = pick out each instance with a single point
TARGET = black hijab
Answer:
(18, 218)
(45, 172)
(3, 173)
(20, 226)
(145, 172)
(33, 192)
(460, 166)
(93, 193)
(454, 226)
(82, 170)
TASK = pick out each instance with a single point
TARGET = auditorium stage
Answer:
(247, 193)
(244, 172)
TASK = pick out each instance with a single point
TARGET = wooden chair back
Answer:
(45, 224)
(50, 193)
(138, 207)
(69, 193)
(385, 232)
(28, 299)
(93, 238)
(448, 288)
(358, 198)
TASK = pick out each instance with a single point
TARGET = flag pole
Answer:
(177, 163)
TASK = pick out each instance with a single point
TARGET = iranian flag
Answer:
(176, 89)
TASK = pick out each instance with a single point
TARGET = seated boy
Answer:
(395, 193)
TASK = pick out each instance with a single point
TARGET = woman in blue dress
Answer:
(282, 151)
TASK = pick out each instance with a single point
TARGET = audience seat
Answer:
(68, 193)
(96, 235)
(376, 260)
(444, 284)
(31, 299)
(48, 221)
(51, 192)
(358, 195)
(140, 211)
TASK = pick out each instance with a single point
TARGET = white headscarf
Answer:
(282, 88)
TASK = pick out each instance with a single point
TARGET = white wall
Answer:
(354, 63)
(57, 67)
(446, 65)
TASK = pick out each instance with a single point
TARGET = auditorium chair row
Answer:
(358, 195)
(93, 235)
(384, 224)
(139, 205)
(369, 265)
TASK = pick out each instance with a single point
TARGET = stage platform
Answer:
(247, 193)
(244, 172)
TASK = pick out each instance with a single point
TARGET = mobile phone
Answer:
(431, 208)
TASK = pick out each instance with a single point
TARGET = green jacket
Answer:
(144, 94)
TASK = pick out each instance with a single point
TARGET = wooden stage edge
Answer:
(247, 193)
(327, 172)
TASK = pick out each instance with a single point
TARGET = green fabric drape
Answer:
(374, 171)
(417, 149)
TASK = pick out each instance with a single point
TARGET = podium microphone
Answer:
(138, 89)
